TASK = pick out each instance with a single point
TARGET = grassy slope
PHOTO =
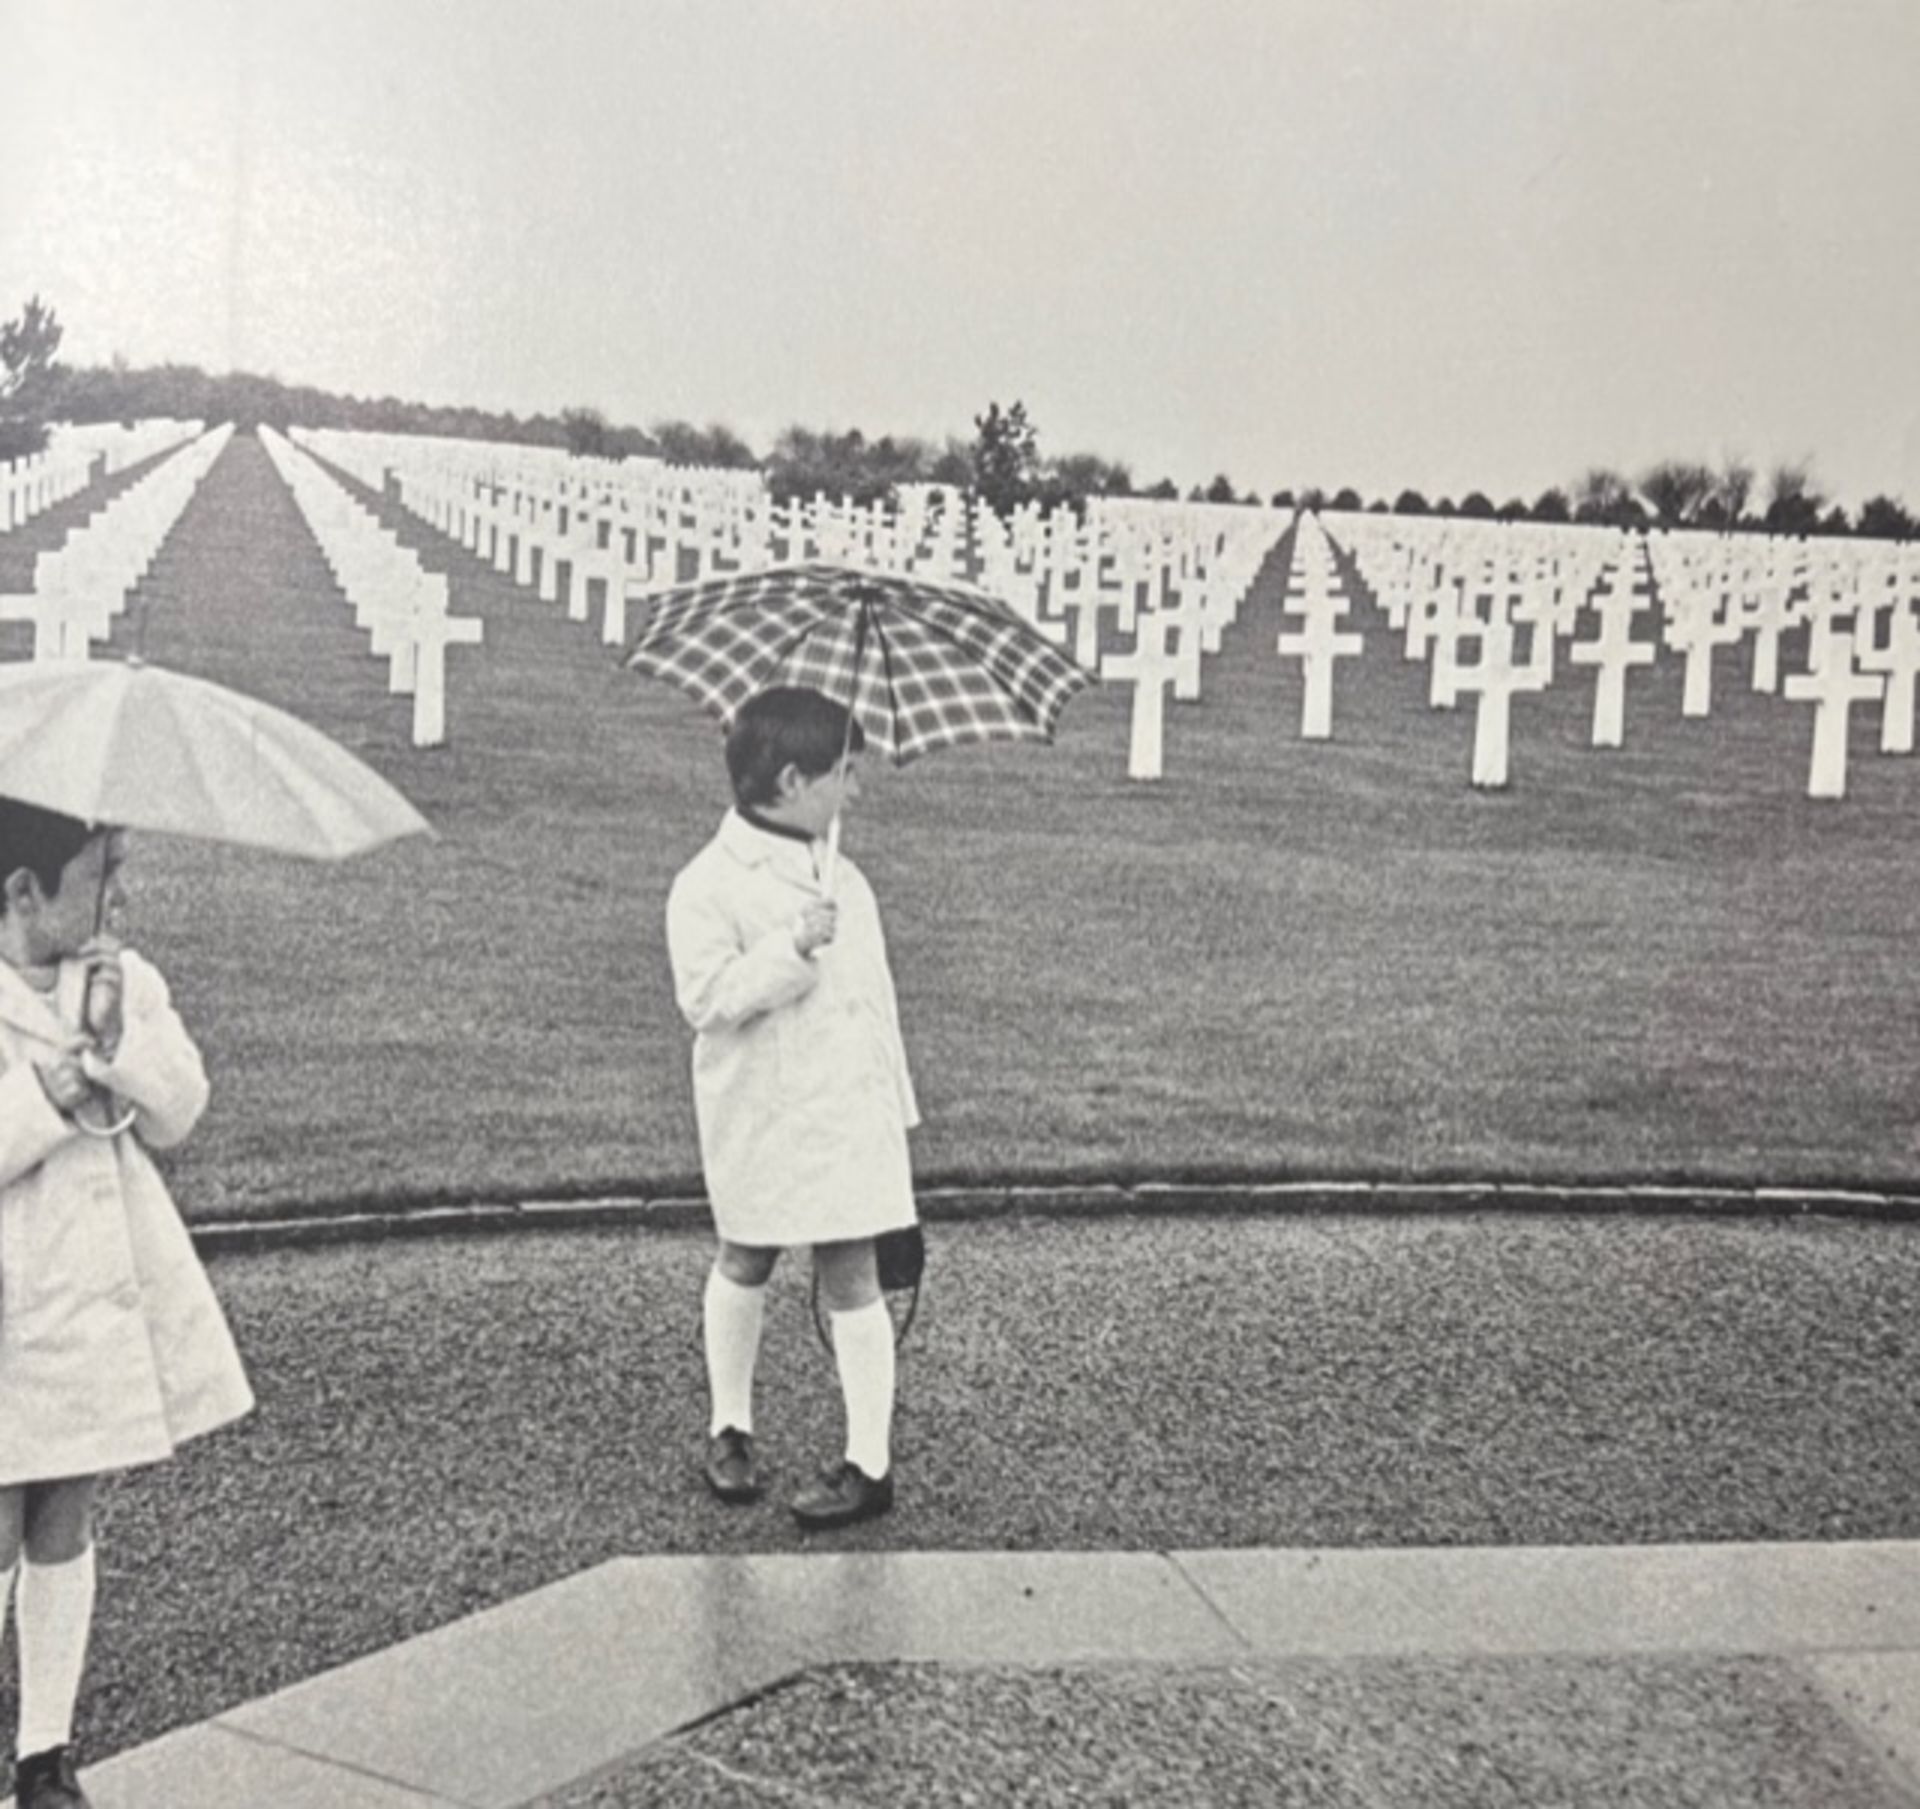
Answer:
(1322, 959)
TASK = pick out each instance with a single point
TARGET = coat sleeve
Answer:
(716, 982)
(157, 1069)
(903, 1079)
(31, 1126)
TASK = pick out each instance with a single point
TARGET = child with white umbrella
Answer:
(113, 1349)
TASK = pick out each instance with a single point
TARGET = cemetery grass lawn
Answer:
(1287, 959)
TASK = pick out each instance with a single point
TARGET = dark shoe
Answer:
(46, 1780)
(841, 1497)
(731, 1472)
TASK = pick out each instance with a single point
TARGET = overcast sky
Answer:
(1439, 243)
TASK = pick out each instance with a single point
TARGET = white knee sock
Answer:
(731, 1321)
(863, 1351)
(52, 1618)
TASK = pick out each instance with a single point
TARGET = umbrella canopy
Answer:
(119, 741)
(923, 665)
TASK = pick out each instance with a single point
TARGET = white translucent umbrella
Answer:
(122, 742)
(140, 747)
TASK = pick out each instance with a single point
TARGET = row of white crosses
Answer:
(1431, 617)
(80, 586)
(1446, 583)
(1167, 577)
(530, 510)
(1860, 604)
(629, 527)
(76, 456)
(402, 607)
(1179, 573)
(557, 523)
(1317, 595)
(1445, 591)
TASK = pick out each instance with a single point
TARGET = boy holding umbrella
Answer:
(112, 1347)
(800, 1085)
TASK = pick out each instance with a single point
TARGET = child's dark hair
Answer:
(786, 725)
(42, 841)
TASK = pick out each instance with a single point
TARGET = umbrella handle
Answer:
(109, 1130)
(846, 744)
(833, 856)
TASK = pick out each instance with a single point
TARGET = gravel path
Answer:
(450, 1422)
(1492, 1734)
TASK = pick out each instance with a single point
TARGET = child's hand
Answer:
(817, 925)
(63, 1080)
(105, 989)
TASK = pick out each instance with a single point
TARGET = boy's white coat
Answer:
(113, 1348)
(800, 1076)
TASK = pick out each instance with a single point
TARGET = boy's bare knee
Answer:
(849, 1279)
(58, 1520)
(747, 1265)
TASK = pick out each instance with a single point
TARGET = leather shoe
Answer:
(841, 1497)
(46, 1780)
(731, 1472)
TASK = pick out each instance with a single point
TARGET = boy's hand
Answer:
(817, 925)
(106, 987)
(64, 1081)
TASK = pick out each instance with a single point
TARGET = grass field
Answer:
(1286, 959)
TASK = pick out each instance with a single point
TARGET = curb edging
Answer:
(1101, 1200)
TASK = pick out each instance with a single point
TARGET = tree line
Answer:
(1002, 463)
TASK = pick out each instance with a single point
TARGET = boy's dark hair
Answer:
(786, 725)
(42, 841)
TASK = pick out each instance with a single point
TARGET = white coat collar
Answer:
(25, 1009)
(781, 854)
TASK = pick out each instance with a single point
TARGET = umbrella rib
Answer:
(886, 679)
(793, 642)
(192, 753)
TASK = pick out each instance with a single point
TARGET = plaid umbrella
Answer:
(922, 665)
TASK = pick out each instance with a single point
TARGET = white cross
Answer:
(1446, 633)
(1833, 688)
(67, 616)
(573, 533)
(1187, 611)
(1827, 623)
(1899, 659)
(1428, 612)
(1625, 577)
(1534, 606)
(623, 588)
(1696, 628)
(1086, 605)
(1768, 613)
(1496, 678)
(1319, 643)
(1615, 652)
(429, 637)
(1151, 665)
(590, 558)
(506, 525)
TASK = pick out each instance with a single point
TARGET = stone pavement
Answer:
(583, 1679)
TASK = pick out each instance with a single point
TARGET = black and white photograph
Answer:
(911, 905)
